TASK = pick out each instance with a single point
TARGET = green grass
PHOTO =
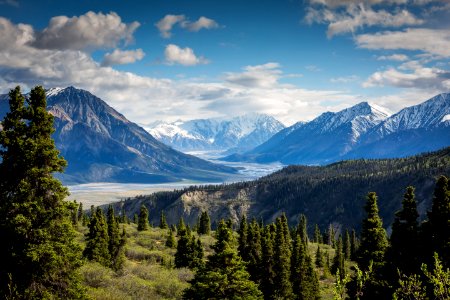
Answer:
(148, 271)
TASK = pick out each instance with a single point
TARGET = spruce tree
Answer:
(403, 253)
(254, 251)
(319, 261)
(38, 252)
(116, 241)
(268, 264)
(80, 212)
(317, 234)
(302, 229)
(373, 236)
(143, 219)
(330, 236)
(439, 221)
(338, 260)
(204, 224)
(282, 265)
(170, 240)
(242, 239)
(162, 221)
(97, 240)
(181, 227)
(347, 248)
(354, 245)
(224, 276)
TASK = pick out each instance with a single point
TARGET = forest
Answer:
(55, 249)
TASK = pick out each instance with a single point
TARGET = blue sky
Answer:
(168, 60)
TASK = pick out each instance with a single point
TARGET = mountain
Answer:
(415, 129)
(232, 135)
(322, 140)
(332, 194)
(100, 144)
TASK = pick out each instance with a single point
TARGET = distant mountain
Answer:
(232, 135)
(100, 144)
(415, 129)
(333, 194)
(325, 139)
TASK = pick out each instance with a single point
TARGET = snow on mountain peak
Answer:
(53, 91)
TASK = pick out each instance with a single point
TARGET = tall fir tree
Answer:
(302, 229)
(319, 259)
(97, 239)
(347, 248)
(171, 242)
(354, 245)
(116, 241)
(204, 224)
(317, 235)
(242, 239)
(38, 251)
(185, 251)
(268, 264)
(254, 251)
(373, 236)
(181, 227)
(143, 219)
(80, 212)
(224, 276)
(339, 260)
(331, 236)
(162, 221)
(439, 221)
(282, 264)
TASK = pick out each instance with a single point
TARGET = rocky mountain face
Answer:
(101, 145)
(232, 135)
(362, 131)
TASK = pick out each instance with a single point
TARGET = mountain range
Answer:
(229, 135)
(362, 131)
(101, 145)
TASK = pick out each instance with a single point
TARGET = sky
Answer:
(185, 59)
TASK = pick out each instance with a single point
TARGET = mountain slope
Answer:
(100, 144)
(323, 140)
(236, 134)
(333, 194)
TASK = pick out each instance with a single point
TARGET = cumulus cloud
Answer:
(166, 24)
(182, 56)
(414, 76)
(201, 23)
(121, 57)
(86, 32)
(394, 57)
(355, 17)
(431, 41)
(261, 76)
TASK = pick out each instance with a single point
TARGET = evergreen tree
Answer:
(143, 219)
(347, 248)
(330, 236)
(162, 221)
(97, 240)
(224, 276)
(317, 235)
(439, 221)
(254, 251)
(80, 212)
(171, 241)
(267, 264)
(74, 214)
(242, 240)
(185, 252)
(338, 260)
(38, 253)
(135, 219)
(319, 261)
(354, 245)
(181, 227)
(403, 253)
(282, 283)
(204, 224)
(373, 235)
(302, 229)
(116, 241)
(198, 253)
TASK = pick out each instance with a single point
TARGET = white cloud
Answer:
(120, 57)
(345, 79)
(313, 68)
(201, 23)
(182, 56)
(395, 57)
(415, 76)
(166, 24)
(261, 76)
(431, 41)
(86, 32)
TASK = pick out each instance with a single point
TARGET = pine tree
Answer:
(204, 224)
(143, 219)
(162, 221)
(319, 261)
(224, 276)
(330, 236)
(403, 253)
(38, 253)
(282, 251)
(373, 236)
(254, 251)
(347, 248)
(80, 213)
(354, 245)
(338, 260)
(267, 264)
(317, 235)
(181, 227)
(171, 241)
(242, 240)
(186, 255)
(439, 221)
(116, 241)
(97, 240)
(302, 229)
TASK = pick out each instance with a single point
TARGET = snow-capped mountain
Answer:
(100, 144)
(324, 139)
(362, 131)
(236, 134)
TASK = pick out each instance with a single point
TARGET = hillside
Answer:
(325, 194)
